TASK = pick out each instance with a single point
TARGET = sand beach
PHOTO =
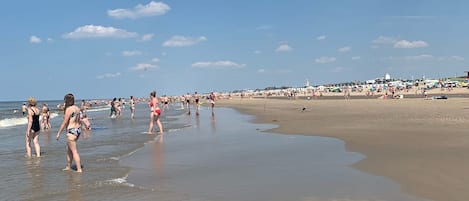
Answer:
(422, 144)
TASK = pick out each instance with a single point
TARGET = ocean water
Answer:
(221, 158)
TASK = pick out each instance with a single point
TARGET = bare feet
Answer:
(66, 169)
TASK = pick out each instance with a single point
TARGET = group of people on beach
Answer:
(75, 118)
(72, 123)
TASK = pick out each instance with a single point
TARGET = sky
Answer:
(106, 49)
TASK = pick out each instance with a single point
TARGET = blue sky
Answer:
(105, 49)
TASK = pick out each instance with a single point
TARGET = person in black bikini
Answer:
(73, 124)
(33, 129)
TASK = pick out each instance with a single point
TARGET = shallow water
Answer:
(221, 157)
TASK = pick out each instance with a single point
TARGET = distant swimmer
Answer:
(113, 107)
(45, 117)
(155, 113)
(24, 108)
(132, 107)
(33, 128)
(73, 124)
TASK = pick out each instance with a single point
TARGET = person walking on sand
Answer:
(72, 123)
(187, 99)
(155, 113)
(132, 107)
(196, 102)
(33, 128)
(212, 101)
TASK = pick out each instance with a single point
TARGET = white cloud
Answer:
(50, 40)
(264, 27)
(181, 41)
(384, 40)
(148, 10)
(451, 58)
(217, 65)
(156, 60)
(323, 60)
(410, 44)
(109, 75)
(322, 37)
(344, 49)
(356, 58)
(337, 70)
(129, 53)
(147, 37)
(92, 31)
(144, 67)
(419, 57)
(411, 58)
(34, 40)
(257, 52)
(284, 48)
(457, 58)
(273, 71)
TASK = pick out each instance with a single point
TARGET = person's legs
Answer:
(74, 152)
(37, 148)
(28, 145)
(69, 157)
(158, 122)
(150, 129)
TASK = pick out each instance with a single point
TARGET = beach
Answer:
(220, 157)
(422, 144)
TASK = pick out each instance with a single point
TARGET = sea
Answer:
(208, 157)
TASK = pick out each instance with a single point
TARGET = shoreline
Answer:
(420, 144)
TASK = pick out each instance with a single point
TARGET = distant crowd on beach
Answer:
(75, 118)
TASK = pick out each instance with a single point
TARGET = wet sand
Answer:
(423, 145)
(227, 158)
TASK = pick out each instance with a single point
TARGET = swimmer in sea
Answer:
(45, 117)
(132, 107)
(72, 123)
(155, 113)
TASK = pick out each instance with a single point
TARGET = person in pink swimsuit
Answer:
(155, 113)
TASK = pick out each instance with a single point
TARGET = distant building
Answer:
(387, 77)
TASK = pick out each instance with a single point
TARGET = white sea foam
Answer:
(97, 109)
(120, 181)
(5, 123)
(10, 122)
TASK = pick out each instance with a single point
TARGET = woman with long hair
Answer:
(155, 113)
(72, 123)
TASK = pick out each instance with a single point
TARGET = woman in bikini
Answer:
(72, 123)
(155, 113)
(45, 117)
(33, 129)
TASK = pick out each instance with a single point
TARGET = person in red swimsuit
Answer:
(155, 113)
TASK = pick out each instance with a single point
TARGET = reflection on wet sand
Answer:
(213, 124)
(33, 167)
(158, 159)
(74, 186)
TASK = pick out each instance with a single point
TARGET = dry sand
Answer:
(421, 144)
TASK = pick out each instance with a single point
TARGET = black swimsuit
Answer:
(35, 125)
